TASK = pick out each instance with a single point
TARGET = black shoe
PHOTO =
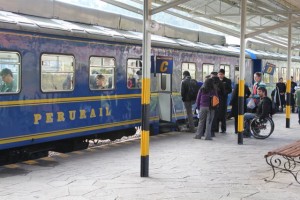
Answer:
(197, 137)
(223, 132)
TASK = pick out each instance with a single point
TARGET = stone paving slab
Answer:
(180, 168)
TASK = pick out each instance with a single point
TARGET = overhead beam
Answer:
(124, 6)
(264, 30)
(296, 46)
(167, 6)
(198, 21)
(248, 14)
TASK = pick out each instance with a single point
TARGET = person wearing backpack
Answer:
(206, 113)
(264, 109)
(188, 99)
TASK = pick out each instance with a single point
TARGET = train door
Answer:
(164, 96)
(164, 69)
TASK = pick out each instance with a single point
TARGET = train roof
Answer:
(23, 22)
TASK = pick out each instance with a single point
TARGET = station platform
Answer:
(180, 168)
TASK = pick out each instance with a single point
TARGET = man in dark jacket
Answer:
(282, 89)
(219, 87)
(186, 99)
(264, 110)
(223, 100)
(234, 103)
(293, 85)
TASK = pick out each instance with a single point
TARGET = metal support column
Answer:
(242, 73)
(145, 136)
(288, 77)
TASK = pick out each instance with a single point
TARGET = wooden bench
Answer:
(285, 159)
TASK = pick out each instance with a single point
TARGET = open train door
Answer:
(164, 69)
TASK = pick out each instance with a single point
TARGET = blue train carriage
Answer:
(59, 103)
(273, 65)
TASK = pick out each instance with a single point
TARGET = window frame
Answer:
(297, 75)
(209, 65)
(276, 75)
(195, 74)
(74, 71)
(225, 65)
(132, 88)
(283, 76)
(114, 73)
(19, 86)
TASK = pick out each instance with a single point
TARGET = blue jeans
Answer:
(247, 119)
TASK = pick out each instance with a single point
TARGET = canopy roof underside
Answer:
(267, 20)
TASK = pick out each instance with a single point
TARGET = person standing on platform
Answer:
(219, 87)
(282, 88)
(293, 86)
(186, 100)
(234, 103)
(206, 114)
(223, 100)
(258, 83)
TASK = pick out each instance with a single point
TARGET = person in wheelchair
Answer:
(264, 110)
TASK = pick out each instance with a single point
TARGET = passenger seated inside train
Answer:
(9, 84)
(101, 82)
(93, 84)
(68, 83)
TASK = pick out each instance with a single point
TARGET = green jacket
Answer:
(9, 87)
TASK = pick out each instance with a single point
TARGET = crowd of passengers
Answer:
(256, 104)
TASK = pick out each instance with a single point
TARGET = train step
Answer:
(165, 126)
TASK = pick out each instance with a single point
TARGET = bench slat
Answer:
(292, 150)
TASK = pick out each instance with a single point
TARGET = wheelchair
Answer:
(262, 128)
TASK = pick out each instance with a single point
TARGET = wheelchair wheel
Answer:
(262, 129)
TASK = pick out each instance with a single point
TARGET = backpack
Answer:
(273, 107)
(214, 102)
(193, 89)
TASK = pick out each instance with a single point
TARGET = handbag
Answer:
(251, 104)
(214, 102)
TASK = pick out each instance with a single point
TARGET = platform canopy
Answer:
(267, 20)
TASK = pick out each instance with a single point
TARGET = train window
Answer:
(134, 73)
(207, 69)
(227, 70)
(10, 68)
(275, 75)
(266, 78)
(283, 73)
(236, 73)
(297, 75)
(191, 67)
(102, 73)
(57, 72)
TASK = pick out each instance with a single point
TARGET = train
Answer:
(56, 66)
